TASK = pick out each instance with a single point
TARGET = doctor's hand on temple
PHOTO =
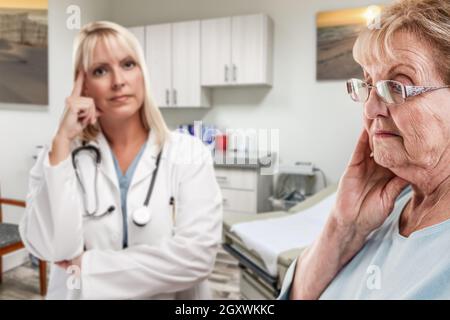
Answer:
(79, 112)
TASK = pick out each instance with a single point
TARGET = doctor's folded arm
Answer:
(121, 206)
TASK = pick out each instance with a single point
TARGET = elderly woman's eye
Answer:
(129, 64)
(404, 79)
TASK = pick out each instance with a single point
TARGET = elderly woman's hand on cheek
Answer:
(365, 198)
(366, 192)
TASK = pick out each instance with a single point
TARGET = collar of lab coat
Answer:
(146, 164)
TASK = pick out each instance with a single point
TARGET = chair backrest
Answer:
(11, 202)
(1, 212)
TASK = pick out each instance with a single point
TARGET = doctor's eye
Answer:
(98, 72)
(129, 64)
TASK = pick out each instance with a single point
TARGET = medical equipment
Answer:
(140, 216)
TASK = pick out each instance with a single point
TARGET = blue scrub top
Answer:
(124, 184)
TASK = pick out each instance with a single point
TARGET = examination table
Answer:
(256, 282)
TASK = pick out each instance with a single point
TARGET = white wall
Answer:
(317, 121)
(23, 127)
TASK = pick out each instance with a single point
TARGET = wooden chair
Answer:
(10, 241)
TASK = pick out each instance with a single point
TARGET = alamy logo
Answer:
(373, 281)
(74, 278)
(74, 20)
(373, 17)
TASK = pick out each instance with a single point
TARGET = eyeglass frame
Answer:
(407, 91)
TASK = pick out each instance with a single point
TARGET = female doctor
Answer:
(125, 208)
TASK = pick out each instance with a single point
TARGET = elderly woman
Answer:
(376, 245)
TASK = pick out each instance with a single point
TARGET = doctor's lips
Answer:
(121, 98)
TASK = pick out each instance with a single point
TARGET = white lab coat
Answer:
(164, 260)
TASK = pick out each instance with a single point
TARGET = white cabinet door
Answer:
(158, 43)
(186, 86)
(239, 200)
(216, 51)
(139, 33)
(250, 49)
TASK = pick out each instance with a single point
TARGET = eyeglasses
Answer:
(389, 91)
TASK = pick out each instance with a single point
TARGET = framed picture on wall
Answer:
(336, 34)
(24, 52)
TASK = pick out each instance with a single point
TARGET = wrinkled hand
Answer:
(367, 191)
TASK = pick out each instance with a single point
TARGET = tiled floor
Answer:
(224, 281)
(23, 282)
(20, 283)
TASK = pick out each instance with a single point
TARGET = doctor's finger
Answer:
(95, 116)
(78, 85)
(81, 105)
(92, 116)
(85, 121)
(82, 113)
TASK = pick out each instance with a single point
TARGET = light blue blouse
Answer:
(391, 266)
(124, 184)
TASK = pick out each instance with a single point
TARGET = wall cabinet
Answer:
(185, 58)
(237, 51)
(139, 32)
(173, 58)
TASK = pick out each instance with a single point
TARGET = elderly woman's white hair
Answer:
(84, 47)
(428, 20)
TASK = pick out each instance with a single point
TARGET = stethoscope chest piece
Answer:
(141, 216)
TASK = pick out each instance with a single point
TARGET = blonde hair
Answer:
(84, 46)
(427, 20)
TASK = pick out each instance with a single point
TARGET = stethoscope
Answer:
(140, 216)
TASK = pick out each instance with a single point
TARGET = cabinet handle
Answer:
(167, 97)
(221, 178)
(174, 97)
(234, 72)
(226, 73)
